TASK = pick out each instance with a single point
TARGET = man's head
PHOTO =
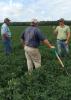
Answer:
(34, 22)
(61, 22)
(7, 21)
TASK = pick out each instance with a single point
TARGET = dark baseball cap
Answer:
(7, 19)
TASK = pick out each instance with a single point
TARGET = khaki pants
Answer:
(33, 58)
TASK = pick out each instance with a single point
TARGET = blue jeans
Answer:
(62, 47)
(7, 46)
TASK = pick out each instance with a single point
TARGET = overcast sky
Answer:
(25, 10)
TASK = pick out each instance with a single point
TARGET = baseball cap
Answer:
(61, 20)
(34, 21)
(7, 19)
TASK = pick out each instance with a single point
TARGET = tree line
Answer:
(41, 23)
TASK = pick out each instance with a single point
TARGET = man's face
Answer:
(61, 23)
(8, 22)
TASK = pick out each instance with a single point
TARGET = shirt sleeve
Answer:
(40, 35)
(4, 30)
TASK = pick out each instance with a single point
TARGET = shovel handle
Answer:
(59, 59)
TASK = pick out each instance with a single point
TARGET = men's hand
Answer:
(52, 47)
(5, 36)
(66, 42)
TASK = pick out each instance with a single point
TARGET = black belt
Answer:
(31, 46)
(62, 40)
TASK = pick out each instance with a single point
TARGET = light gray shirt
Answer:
(5, 30)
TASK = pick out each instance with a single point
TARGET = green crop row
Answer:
(50, 82)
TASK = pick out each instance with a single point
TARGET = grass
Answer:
(47, 83)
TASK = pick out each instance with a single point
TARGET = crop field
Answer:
(49, 82)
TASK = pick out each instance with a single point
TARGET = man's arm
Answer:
(68, 34)
(4, 32)
(56, 31)
(5, 36)
(68, 37)
(44, 40)
(47, 43)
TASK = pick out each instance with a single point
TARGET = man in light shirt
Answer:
(6, 36)
(63, 36)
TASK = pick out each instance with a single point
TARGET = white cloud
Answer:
(25, 10)
(11, 11)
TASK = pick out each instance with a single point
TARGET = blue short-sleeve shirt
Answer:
(32, 36)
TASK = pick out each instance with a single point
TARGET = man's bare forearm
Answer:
(47, 43)
(68, 36)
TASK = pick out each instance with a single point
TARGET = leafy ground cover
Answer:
(49, 82)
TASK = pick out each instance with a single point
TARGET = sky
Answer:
(42, 10)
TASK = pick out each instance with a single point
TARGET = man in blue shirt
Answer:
(31, 39)
(6, 36)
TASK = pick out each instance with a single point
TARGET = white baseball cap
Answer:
(34, 21)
